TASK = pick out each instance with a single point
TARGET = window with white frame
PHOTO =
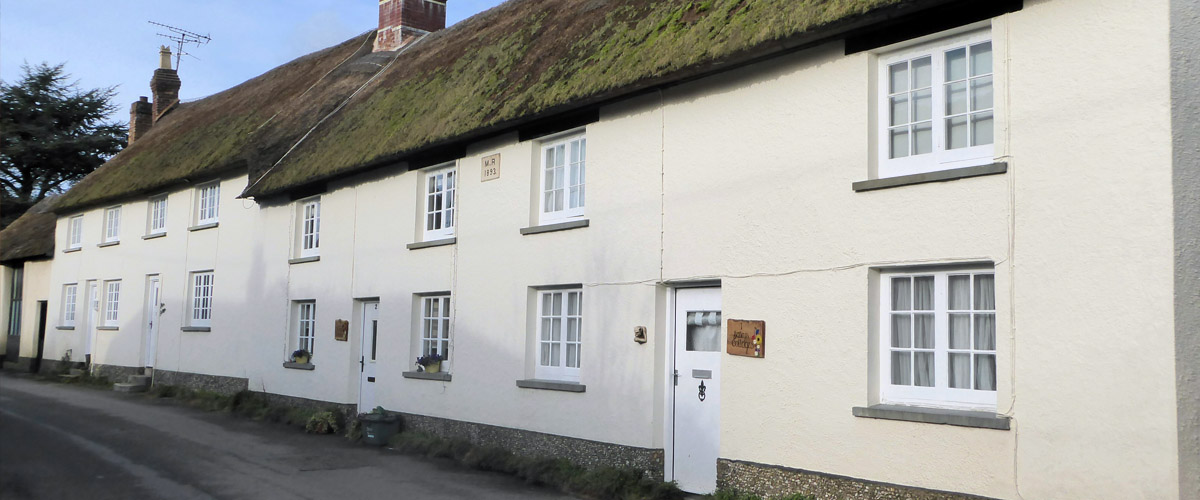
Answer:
(439, 202)
(207, 202)
(305, 314)
(560, 329)
(112, 224)
(112, 298)
(435, 327)
(75, 232)
(201, 299)
(564, 169)
(70, 297)
(310, 227)
(936, 106)
(938, 339)
(157, 215)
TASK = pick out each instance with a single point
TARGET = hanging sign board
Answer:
(491, 167)
(746, 338)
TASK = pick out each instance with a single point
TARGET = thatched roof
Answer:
(31, 236)
(226, 132)
(523, 60)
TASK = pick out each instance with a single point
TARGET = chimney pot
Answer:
(164, 57)
(402, 21)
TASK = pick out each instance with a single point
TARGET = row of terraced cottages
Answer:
(865, 249)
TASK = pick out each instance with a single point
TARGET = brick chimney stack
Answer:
(165, 84)
(141, 117)
(402, 21)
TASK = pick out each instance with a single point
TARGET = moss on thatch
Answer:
(527, 57)
(523, 59)
(31, 236)
(200, 140)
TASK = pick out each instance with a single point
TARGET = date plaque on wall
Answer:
(491, 167)
(746, 338)
(341, 330)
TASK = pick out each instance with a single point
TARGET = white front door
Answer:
(697, 389)
(93, 312)
(370, 344)
(153, 309)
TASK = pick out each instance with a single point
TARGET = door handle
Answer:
(676, 377)
(362, 364)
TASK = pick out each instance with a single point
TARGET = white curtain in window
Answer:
(960, 371)
(985, 372)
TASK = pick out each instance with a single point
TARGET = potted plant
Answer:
(430, 363)
(301, 356)
(378, 426)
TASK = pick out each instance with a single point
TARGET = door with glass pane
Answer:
(697, 390)
(370, 350)
(153, 309)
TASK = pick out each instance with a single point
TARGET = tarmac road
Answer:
(59, 441)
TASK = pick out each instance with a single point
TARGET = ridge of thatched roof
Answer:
(31, 236)
(344, 110)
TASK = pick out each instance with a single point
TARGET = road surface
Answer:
(59, 441)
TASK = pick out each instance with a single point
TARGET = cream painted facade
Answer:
(35, 283)
(743, 178)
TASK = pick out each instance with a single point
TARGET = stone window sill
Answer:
(299, 366)
(302, 260)
(155, 235)
(551, 385)
(961, 418)
(109, 244)
(559, 226)
(108, 328)
(201, 227)
(939, 176)
(64, 328)
(196, 329)
(69, 250)
(432, 243)
(442, 376)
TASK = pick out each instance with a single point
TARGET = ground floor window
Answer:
(305, 314)
(559, 334)
(938, 338)
(435, 326)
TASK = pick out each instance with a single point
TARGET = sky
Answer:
(110, 43)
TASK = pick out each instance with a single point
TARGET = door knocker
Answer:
(701, 390)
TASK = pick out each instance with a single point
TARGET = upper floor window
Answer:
(70, 297)
(560, 335)
(564, 168)
(439, 202)
(200, 310)
(207, 203)
(157, 215)
(936, 106)
(310, 227)
(75, 232)
(938, 339)
(112, 296)
(112, 224)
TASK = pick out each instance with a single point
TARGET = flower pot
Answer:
(300, 359)
(433, 367)
(378, 429)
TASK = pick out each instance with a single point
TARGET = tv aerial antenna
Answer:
(182, 37)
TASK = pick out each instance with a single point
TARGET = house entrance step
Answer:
(126, 387)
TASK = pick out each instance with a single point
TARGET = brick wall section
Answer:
(165, 89)
(401, 21)
(141, 117)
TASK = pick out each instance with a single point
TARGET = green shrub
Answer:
(325, 422)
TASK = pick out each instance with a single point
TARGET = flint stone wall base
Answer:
(215, 383)
(773, 480)
(583, 452)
